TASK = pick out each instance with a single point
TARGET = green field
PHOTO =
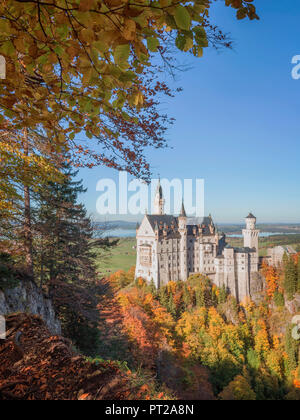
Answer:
(270, 242)
(123, 256)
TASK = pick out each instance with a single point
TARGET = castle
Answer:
(173, 248)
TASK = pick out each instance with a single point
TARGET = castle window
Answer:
(146, 255)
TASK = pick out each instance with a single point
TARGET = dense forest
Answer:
(250, 350)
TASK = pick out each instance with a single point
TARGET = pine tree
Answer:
(64, 259)
(186, 298)
(290, 277)
(298, 274)
(65, 230)
(279, 299)
(171, 306)
(163, 297)
(291, 347)
(222, 295)
(152, 288)
(200, 298)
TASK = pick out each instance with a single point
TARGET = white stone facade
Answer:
(275, 255)
(173, 248)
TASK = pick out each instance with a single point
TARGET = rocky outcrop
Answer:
(293, 306)
(257, 286)
(28, 298)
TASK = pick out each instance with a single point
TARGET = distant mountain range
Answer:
(224, 227)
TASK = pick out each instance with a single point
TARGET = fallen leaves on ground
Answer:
(37, 366)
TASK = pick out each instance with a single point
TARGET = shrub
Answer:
(279, 299)
(8, 278)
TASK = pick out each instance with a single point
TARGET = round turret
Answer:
(251, 234)
(250, 221)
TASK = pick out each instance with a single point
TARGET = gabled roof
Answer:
(161, 219)
(203, 222)
(171, 224)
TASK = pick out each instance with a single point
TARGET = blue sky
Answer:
(237, 121)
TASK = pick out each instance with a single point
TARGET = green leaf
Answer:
(121, 54)
(180, 42)
(199, 31)
(200, 52)
(188, 44)
(182, 18)
(129, 76)
(153, 44)
(100, 46)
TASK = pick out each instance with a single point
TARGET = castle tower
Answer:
(182, 223)
(251, 233)
(159, 202)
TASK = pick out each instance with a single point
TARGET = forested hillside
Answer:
(200, 342)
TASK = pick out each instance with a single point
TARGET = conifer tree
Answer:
(200, 298)
(152, 288)
(298, 274)
(172, 306)
(186, 298)
(279, 299)
(222, 295)
(291, 347)
(64, 258)
(163, 297)
(290, 277)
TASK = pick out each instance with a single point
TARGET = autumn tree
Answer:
(87, 67)
(238, 389)
(147, 324)
(272, 279)
(91, 66)
(26, 164)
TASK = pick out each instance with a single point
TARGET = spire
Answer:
(250, 216)
(159, 191)
(159, 201)
(182, 211)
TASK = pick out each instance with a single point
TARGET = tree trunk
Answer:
(27, 217)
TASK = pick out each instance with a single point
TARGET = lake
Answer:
(262, 234)
(130, 233)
